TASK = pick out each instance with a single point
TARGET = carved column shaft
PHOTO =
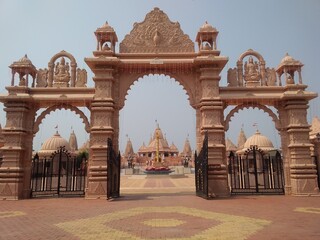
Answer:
(198, 130)
(15, 170)
(102, 128)
(73, 74)
(302, 169)
(211, 122)
(50, 74)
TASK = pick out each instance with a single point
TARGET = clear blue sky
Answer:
(42, 28)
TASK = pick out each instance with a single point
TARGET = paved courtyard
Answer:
(161, 208)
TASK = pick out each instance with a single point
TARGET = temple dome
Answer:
(207, 28)
(53, 143)
(261, 141)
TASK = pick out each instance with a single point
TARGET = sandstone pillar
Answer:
(211, 108)
(303, 172)
(102, 121)
(15, 170)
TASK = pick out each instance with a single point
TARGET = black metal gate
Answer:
(256, 172)
(201, 169)
(113, 172)
(315, 161)
(59, 175)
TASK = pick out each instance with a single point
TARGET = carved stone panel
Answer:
(156, 34)
(101, 119)
(103, 89)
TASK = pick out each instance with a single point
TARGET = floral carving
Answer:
(156, 34)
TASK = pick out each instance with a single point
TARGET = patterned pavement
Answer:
(161, 208)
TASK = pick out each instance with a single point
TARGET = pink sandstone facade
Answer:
(156, 46)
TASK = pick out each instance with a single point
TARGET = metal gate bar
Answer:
(256, 173)
(58, 175)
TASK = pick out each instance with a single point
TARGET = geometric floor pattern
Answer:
(164, 223)
(161, 208)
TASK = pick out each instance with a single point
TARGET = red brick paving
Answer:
(43, 218)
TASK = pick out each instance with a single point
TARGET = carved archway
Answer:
(267, 110)
(159, 46)
(129, 80)
(61, 106)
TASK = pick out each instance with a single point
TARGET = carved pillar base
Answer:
(217, 173)
(97, 169)
(217, 169)
(11, 177)
(304, 179)
(97, 175)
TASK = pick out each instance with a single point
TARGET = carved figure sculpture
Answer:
(42, 75)
(271, 77)
(81, 78)
(232, 77)
(61, 75)
(22, 82)
(289, 79)
(252, 73)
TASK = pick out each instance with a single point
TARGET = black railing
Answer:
(201, 169)
(113, 172)
(256, 172)
(59, 175)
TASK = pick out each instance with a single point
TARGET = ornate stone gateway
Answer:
(156, 46)
(256, 172)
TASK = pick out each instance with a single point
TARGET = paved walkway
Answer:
(167, 209)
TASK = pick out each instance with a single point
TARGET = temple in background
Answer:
(168, 153)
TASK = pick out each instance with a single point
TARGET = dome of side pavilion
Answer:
(52, 144)
(259, 140)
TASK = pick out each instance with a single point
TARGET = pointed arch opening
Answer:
(152, 102)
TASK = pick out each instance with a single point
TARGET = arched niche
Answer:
(51, 65)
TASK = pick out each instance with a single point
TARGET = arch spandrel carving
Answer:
(267, 110)
(190, 88)
(60, 106)
(156, 34)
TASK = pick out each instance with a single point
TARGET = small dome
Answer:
(25, 59)
(287, 59)
(53, 143)
(260, 141)
(207, 28)
(106, 27)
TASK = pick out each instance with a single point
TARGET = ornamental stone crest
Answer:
(156, 34)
